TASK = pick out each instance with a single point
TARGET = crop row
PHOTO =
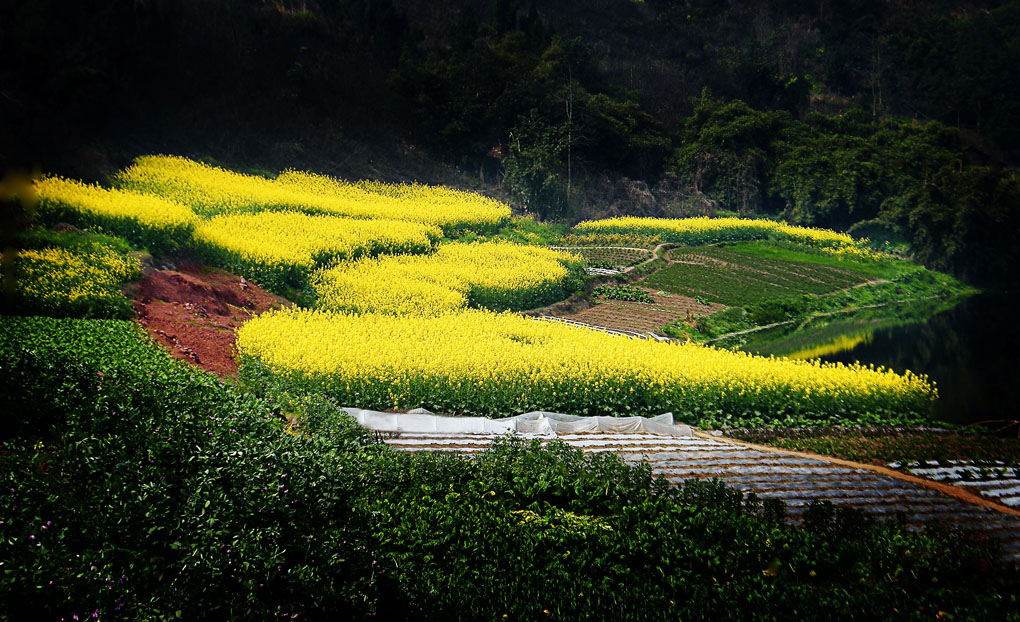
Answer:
(809, 277)
(146, 220)
(702, 230)
(737, 279)
(608, 256)
(489, 364)
(609, 238)
(623, 292)
(499, 276)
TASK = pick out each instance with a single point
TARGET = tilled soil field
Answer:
(643, 317)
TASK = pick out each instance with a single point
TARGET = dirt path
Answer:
(655, 255)
(194, 311)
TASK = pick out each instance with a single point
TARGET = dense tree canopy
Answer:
(829, 112)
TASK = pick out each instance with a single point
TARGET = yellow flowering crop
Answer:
(702, 230)
(280, 249)
(492, 275)
(144, 219)
(445, 207)
(61, 282)
(496, 364)
(211, 190)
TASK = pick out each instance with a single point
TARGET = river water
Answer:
(971, 351)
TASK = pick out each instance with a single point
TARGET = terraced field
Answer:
(995, 480)
(643, 317)
(608, 256)
(734, 278)
(795, 479)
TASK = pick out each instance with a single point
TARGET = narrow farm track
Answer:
(797, 479)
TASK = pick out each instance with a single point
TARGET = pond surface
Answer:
(971, 351)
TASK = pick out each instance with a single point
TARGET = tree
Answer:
(534, 168)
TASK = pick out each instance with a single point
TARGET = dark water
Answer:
(971, 351)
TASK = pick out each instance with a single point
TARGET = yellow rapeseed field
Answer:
(393, 329)
(495, 364)
(280, 249)
(497, 276)
(211, 190)
(447, 208)
(57, 280)
(144, 219)
(703, 230)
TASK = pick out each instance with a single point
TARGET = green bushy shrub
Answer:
(136, 487)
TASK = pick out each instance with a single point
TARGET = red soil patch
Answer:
(194, 312)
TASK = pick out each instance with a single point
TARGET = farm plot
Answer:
(83, 279)
(210, 190)
(608, 256)
(643, 317)
(733, 278)
(477, 362)
(697, 231)
(795, 480)
(498, 276)
(280, 249)
(143, 219)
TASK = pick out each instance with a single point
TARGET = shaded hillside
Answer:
(568, 109)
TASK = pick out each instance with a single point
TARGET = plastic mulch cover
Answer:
(538, 423)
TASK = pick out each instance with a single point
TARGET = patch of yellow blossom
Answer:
(497, 276)
(703, 230)
(53, 278)
(435, 205)
(282, 248)
(211, 190)
(142, 218)
(487, 363)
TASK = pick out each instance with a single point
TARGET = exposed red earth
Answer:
(193, 311)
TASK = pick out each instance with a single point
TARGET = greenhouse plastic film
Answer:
(536, 423)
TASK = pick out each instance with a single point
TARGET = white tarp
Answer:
(537, 423)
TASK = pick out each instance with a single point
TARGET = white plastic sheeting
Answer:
(537, 423)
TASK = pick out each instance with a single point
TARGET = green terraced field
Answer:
(719, 274)
(608, 256)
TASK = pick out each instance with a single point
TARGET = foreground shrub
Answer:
(139, 488)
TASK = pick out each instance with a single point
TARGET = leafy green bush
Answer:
(154, 489)
(623, 292)
(140, 488)
(534, 168)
